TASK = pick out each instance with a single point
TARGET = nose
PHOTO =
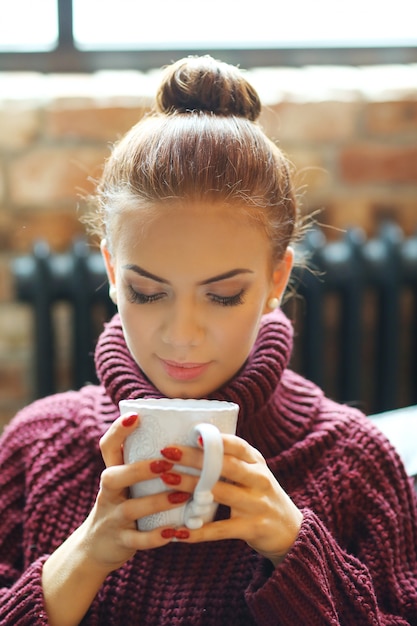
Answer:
(183, 327)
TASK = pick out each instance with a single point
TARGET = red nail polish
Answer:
(168, 533)
(178, 497)
(173, 454)
(129, 420)
(181, 534)
(171, 479)
(158, 467)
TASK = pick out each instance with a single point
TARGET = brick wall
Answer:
(350, 132)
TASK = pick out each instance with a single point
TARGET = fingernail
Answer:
(178, 497)
(170, 478)
(157, 467)
(129, 420)
(173, 454)
(181, 534)
(168, 533)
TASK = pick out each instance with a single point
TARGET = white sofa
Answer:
(400, 427)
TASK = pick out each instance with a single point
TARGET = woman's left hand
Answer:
(261, 512)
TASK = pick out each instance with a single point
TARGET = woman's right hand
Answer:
(108, 537)
(111, 528)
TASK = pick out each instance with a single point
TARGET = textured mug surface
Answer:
(169, 421)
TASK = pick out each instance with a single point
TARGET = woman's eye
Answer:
(234, 300)
(137, 297)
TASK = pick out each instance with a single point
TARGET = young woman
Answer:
(317, 521)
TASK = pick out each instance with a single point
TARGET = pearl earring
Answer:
(113, 294)
(273, 303)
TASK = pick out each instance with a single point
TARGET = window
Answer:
(17, 20)
(102, 24)
(86, 35)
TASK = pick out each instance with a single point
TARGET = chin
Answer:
(185, 390)
(185, 394)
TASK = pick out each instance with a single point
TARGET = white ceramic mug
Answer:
(170, 421)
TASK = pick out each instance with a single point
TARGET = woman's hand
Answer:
(108, 537)
(111, 528)
(262, 514)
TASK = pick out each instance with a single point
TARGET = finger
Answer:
(246, 475)
(140, 540)
(262, 537)
(241, 449)
(111, 443)
(239, 462)
(119, 477)
(193, 456)
(184, 455)
(255, 497)
(137, 508)
(229, 494)
(187, 456)
(214, 531)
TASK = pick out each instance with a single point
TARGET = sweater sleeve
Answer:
(21, 596)
(40, 452)
(21, 603)
(369, 577)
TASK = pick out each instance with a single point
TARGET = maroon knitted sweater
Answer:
(353, 563)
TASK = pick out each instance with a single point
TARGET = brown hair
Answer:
(202, 142)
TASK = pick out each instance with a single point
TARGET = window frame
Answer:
(67, 58)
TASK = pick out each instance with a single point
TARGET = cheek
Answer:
(241, 331)
(137, 328)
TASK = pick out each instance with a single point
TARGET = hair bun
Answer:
(204, 84)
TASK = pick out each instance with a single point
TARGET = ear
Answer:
(280, 278)
(108, 262)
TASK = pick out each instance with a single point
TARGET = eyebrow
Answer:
(214, 279)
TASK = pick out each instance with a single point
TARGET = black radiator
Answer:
(78, 279)
(354, 313)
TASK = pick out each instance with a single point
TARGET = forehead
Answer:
(195, 233)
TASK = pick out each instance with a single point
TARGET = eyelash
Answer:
(136, 297)
(229, 300)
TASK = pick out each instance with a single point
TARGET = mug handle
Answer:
(202, 500)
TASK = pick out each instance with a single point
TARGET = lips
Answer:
(184, 371)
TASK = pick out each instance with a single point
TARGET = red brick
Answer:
(101, 123)
(2, 186)
(11, 381)
(15, 322)
(46, 175)
(341, 213)
(6, 227)
(369, 163)
(310, 171)
(7, 411)
(15, 358)
(57, 227)
(391, 118)
(19, 126)
(306, 122)
(400, 208)
(9, 408)
(6, 283)
(366, 210)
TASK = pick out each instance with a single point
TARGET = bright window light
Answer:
(28, 25)
(168, 25)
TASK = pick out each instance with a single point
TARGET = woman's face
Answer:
(191, 290)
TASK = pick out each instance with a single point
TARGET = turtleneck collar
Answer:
(250, 388)
(277, 406)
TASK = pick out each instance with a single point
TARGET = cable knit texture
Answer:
(353, 563)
